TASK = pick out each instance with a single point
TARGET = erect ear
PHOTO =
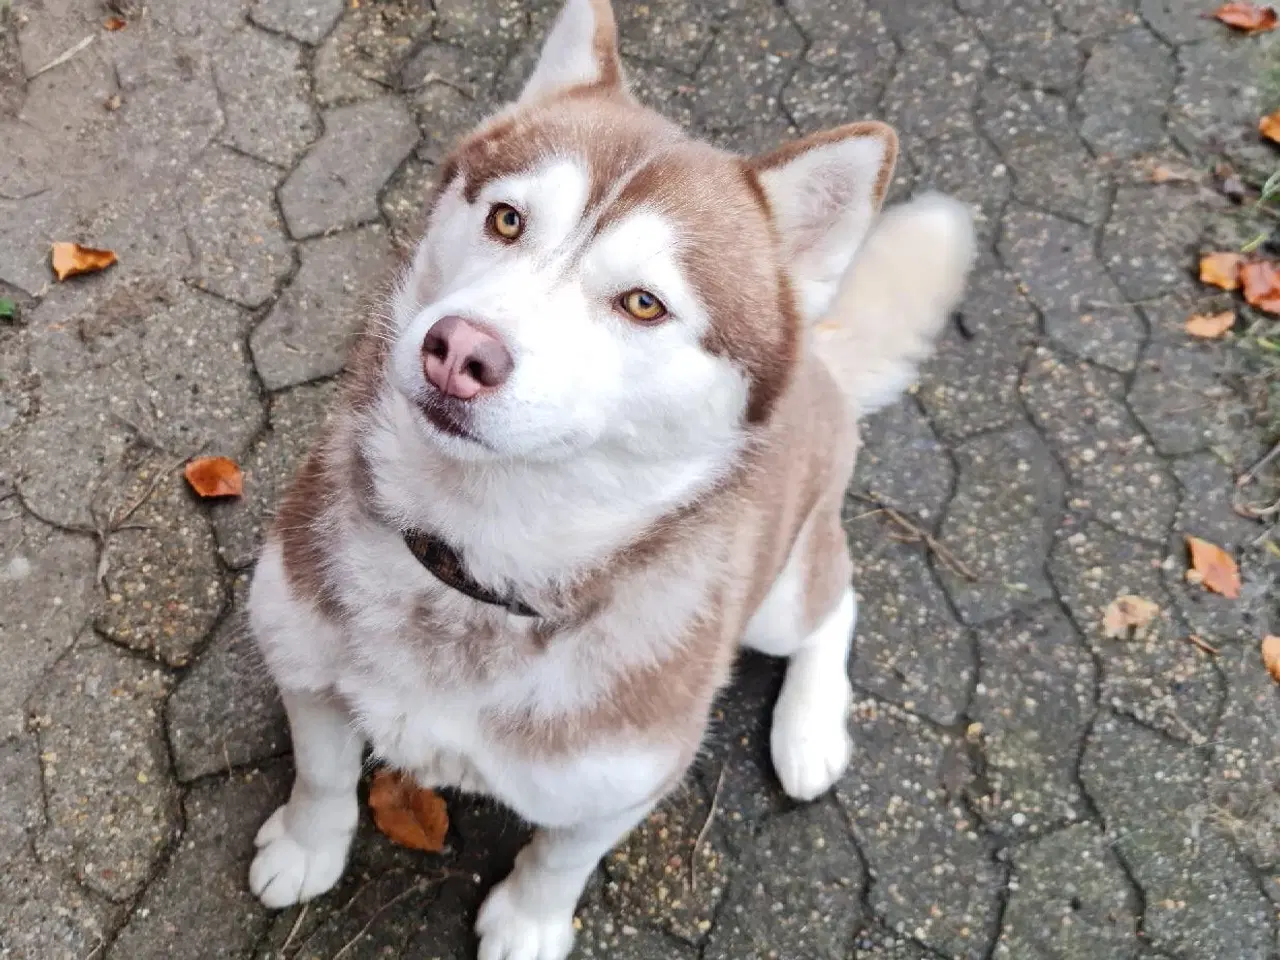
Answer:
(824, 190)
(582, 48)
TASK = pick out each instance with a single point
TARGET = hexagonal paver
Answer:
(226, 712)
(294, 420)
(21, 797)
(305, 20)
(1200, 900)
(1126, 89)
(676, 33)
(848, 62)
(797, 893)
(1000, 522)
(239, 244)
(45, 915)
(907, 647)
(1158, 677)
(1026, 42)
(308, 332)
(1069, 900)
(264, 93)
(931, 875)
(1083, 309)
(112, 810)
(1112, 466)
(1052, 170)
(1149, 242)
(337, 182)
(1033, 702)
(200, 906)
(902, 462)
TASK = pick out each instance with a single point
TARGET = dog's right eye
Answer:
(505, 222)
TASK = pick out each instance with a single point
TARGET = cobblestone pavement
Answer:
(1022, 788)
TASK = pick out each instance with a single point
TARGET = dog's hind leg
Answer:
(808, 617)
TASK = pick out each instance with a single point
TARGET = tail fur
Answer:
(907, 278)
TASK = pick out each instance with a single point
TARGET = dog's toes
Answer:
(509, 931)
(285, 872)
(811, 747)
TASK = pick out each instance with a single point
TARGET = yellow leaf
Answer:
(1221, 270)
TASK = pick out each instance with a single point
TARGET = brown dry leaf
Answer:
(1161, 173)
(71, 259)
(115, 23)
(1269, 126)
(1210, 326)
(1261, 282)
(1249, 17)
(1271, 656)
(1221, 270)
(1214, 568)
(214, 477)
(1128, 615)
(407, 814)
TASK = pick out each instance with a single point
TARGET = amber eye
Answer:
(505, 221)
(643, 305)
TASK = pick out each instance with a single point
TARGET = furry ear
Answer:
(582, 48)
(824, 190)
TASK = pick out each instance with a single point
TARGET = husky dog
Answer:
(595, 440)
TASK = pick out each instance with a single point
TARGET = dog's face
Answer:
(591, 276)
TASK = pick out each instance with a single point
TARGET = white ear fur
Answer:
(581, 48)
(824, 192)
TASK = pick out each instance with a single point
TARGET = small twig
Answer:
(146, 494)
(706, 826)
(920, 535)
(1206, 647)
(346, 947)
(1247, 477)
(63, 57)
(297, 923)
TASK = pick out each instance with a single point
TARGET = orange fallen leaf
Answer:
(214, 477)
(71, 259)
(1210, 326)
(1128, 616)
(407, 814)
(1249, 17)
(1214, 568)
(1269, 126)
(1221, 270)
(1162, 173)
(1271, 656)
(1261, 282)
(115, 23)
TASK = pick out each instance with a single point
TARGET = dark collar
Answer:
(443, 562)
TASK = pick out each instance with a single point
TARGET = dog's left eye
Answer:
(506, 222)
(643, 306)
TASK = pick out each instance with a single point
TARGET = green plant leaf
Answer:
(8, 309)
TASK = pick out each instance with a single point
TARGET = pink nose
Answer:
(461, 359)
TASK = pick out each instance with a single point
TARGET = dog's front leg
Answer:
(529, 916)
(303, 845)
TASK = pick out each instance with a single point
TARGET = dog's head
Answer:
(591, 275)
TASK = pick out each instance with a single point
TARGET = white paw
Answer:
(286, 871)
(810, 742)
(509, 930)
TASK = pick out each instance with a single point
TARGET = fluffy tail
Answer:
(907, 278)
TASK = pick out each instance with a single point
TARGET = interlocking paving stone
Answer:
(932, 876)
(1149, 242)
(44, 915)
(1033, 702)
(494, 25)
(848, 62)
(308, 332)
(21, 797)
(264, 94)
(237, 239)
(796, 894)
(879, 944)
(907, 646)
(112, 809)
(226, 711)
(200, 905)
(404, 202)
(46, 581)
(971, 384)
(163, 586)
(149, 366)
(1051, 168)
(1177, 22)
(677, 33)
(1025, 42)
(902, 461)
(1127, 84)
(1201, 901)
(1000, 522)
(295, 417)
(1069, 900)
(305, 20)
(1159, 678)
(336, 183)
(444, 114)
(600, 937)
(1111, 466)
(1082, 307)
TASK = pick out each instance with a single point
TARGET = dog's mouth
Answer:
(448, 416)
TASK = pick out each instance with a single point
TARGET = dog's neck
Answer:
(527, 525)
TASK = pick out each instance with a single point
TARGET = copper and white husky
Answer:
(595, 440)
